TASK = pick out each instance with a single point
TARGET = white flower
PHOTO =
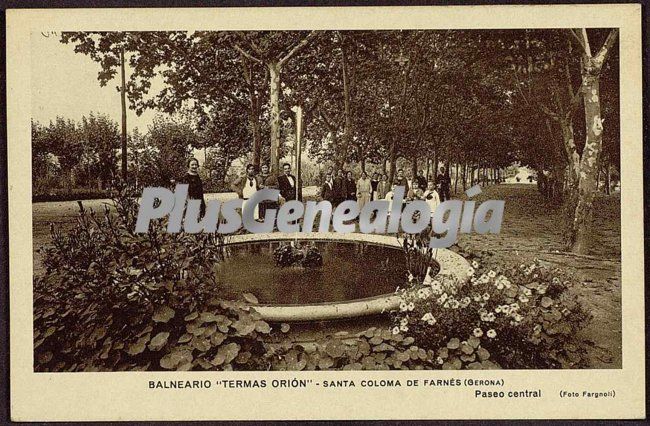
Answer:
(505, 309)
(411, 277)
(474, 264)
(440, 360)
(470, 271)
(477, 297)
(486, 296)
(491, 333)
(411, 306)
(454, 304)
(395, 330)
(403, 306)
(404, 321)
(527, 292)
(497, 309)
(491, 317)
(483, 279)
(446, 305)
(442, 298)
(466, 301)
(518, 317)
(423, 293)
(403, 328)
(523, 298)
(477, 332)
(514, 306)
(491, 274)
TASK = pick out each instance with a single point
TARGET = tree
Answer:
(171, 139)
(273, 50)
(108, 49)
(586, 166)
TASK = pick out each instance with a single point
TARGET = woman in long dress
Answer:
(383, 187)
(374, 182)
(364, 190)
(195, 185)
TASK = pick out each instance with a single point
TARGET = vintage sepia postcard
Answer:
(334, 213)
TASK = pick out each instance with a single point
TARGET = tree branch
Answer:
(297, 48)
(248, 55)
(609, 42)
(548, 112)
(578, 39)
(327, 120)
(585, 42)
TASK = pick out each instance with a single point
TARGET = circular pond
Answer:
(359, 275)
(350, 270)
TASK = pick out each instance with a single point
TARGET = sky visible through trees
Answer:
(473, 100)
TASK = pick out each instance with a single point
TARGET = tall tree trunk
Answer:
(123, 100)
(435, 166)
(414, 166)
(465, 176)
(253, 112)
(393, 148)
(347, 130)
(274, 73)
(588, 168)
(608, 181)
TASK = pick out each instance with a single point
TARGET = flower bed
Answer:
(516, 316)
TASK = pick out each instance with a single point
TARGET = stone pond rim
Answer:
(451, 264)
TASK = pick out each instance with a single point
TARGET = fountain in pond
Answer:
(305, 255)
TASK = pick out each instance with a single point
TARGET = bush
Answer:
(114, 300)
(506, 316)
(71, 195)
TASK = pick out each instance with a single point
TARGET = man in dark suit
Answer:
(339, 188)
(287, 183)
(327, 190)
(421, 180)
(400, 180)
(444, 183)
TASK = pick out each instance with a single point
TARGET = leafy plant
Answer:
(114, 300)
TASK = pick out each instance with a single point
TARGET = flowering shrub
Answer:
(510, 317)
(114, 300)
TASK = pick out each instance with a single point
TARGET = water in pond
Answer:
(349, 271)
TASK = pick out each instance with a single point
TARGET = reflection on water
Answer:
(349, 271)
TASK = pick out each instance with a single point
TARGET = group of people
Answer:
(335, 188)
(343, 186)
